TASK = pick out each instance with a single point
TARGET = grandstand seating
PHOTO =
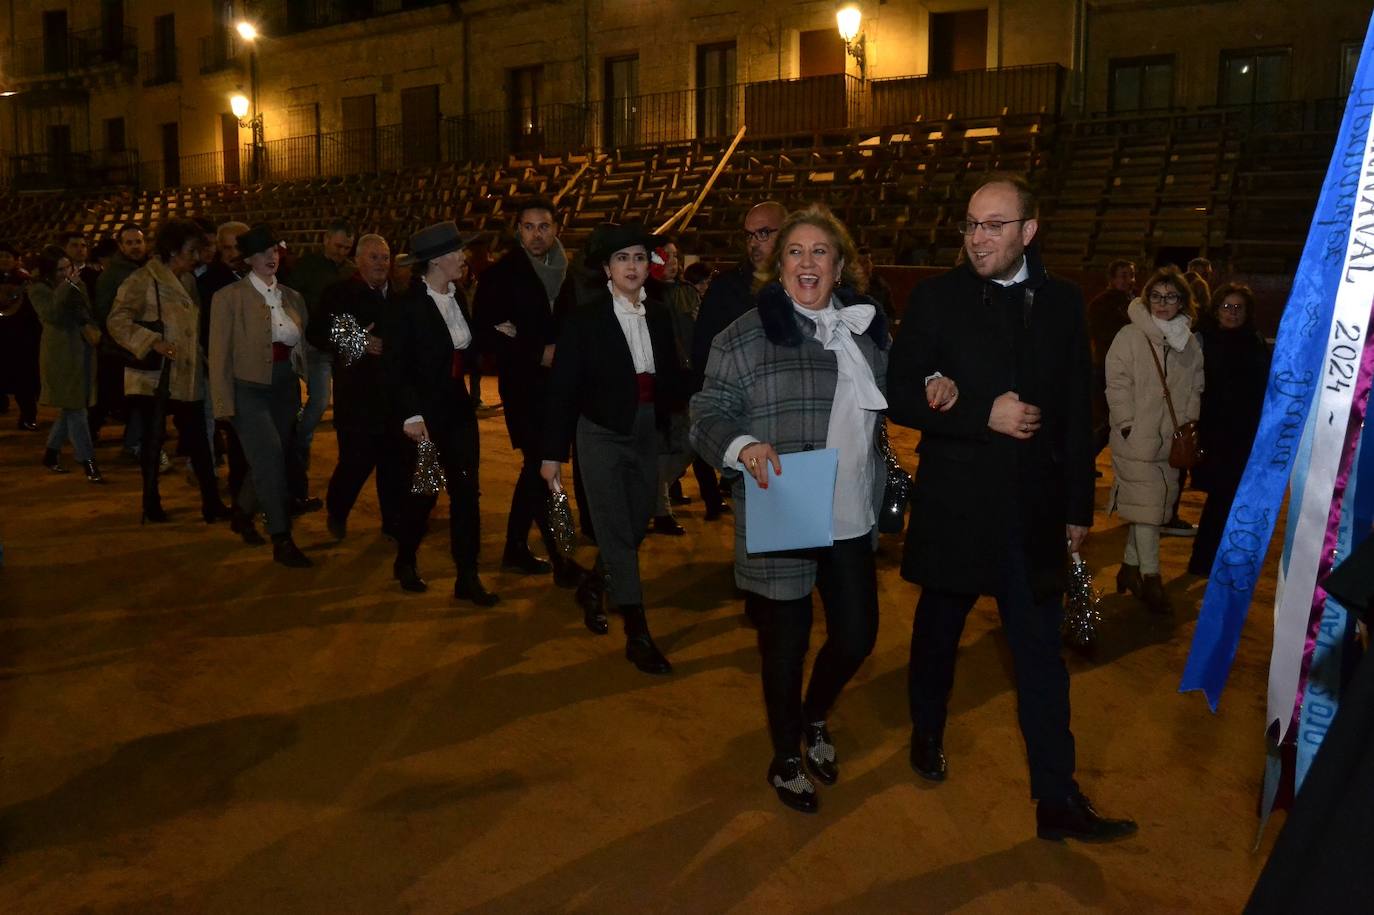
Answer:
(1111, 188)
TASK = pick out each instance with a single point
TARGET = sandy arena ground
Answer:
(188, 727)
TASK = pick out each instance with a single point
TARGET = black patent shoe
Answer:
(305, 506)
(27, 425)
(667, 524)
(409, 577)
(50, 461)
(288, 554)
(928, 757)
(469, 587)
(591, 597)
(820, 753)
(1076, 818)
(520, 560)
(641, 651)
(793, 787)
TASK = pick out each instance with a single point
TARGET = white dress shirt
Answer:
(447, 302)
(284, 330)
(634, 324)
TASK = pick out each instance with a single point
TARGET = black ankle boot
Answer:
(591, 597)
(92, 472)
(640, 649)
(285, 551)
(50, 461)
(470, 587)
(409, 577)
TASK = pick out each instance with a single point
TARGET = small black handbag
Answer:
(149, 363)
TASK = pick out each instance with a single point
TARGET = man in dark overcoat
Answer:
(364, 423)
(1005, 477)
(514, 315)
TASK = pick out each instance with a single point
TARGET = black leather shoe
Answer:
(245, 526)
(820, 753)
(1076, 818)
(154, 514)
(50, 461)
(591, 597)
(469, 587)
(715, 511)
(305, 506)
(667, 524)
(28, 425)
(288, 554)
(519, 559)
(928, 757)
(641, 651)
(338, 527)
(409, 578)
(793, 787)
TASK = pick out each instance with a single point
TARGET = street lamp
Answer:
(240, 106)
(849, 19)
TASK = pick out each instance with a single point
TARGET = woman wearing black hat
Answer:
(614, 383)
(423, 363)
(257, 359)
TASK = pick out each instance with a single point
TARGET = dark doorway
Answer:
(420, 125)
(171, 155)
(525, 86)
(621, 91)
(229, 141)
(359, 148)
(59, 149)
(112, 30)
(716, 92)
(822, 53)
(55, 44)
(958, 41)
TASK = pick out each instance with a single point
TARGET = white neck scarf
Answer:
(835, 329)
(1177, 331)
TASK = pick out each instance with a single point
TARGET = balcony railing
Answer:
(284, 17)
(160, 67)
(218, 52)
(1036, 89)
(76, 52)
(97, 168)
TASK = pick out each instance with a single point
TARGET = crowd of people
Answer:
(629, 369)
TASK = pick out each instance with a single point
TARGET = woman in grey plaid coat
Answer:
(804, 370)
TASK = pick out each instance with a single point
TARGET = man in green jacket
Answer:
(315, 273)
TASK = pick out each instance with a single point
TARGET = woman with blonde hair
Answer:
(804, 370)
(1154, 362)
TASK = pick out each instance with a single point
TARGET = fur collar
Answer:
(782, 326)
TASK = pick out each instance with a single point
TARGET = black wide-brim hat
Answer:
(256, 240)
(437, 240)
(610, 237)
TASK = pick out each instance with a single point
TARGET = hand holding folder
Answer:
(797, 510)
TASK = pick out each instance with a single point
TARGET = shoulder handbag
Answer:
(152, 362)
(1185, 451)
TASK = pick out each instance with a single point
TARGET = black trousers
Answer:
(28, 406)
(360, 453)
(1212, 524)
(847, 580)
(708, 484)
(457, 442)
(238, 462)
(529, 502)
(189, 417)
(1042, 680)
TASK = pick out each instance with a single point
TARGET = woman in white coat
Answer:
(1146, 487)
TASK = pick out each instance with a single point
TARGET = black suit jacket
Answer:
(728, 297)
(973, 485)
(510, 290)
(361, 398)
(418, 365)
(593, 374)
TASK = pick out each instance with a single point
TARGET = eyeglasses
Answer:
(1172, 298)
(763, 234)
(994, 229)
(1232, 306)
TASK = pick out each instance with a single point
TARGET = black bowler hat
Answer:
(256, 240)
(436, 241)
(610, 237)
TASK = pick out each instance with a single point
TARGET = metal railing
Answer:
(218, 51)
(160, 67)
(1035, 89)
(97, 168)
(39, 58)
(285, 17)
(1301, 116)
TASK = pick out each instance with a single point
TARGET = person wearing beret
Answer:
(423, 360)
(257, 358)
(615, 381)
(157, 292)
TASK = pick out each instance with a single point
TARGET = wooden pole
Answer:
(572, 181)
(691, 208)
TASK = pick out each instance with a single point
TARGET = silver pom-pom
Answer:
(1082, 608)
(350, 340)
(561, 521)
(897, 491)
(429, 473)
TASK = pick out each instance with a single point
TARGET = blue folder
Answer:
(797, 510)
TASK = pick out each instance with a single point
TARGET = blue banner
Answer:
(1296, 377)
